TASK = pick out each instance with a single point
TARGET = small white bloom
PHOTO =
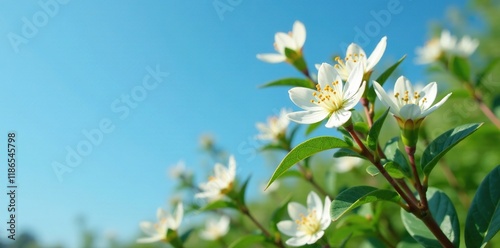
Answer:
(275, 128)
(178, 170)
(331, 98)
(293, 40)
(215, 228)
(356, 55)
(158, 231)
(308, 225)
(345, 164)
(446, 43)
(219, 184)
(407, 104)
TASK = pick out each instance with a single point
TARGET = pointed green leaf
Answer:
(443, 212)
(243, 191)
(305, 150)
(395, 155)
(361, 127)
(461, 68)
(442, 144)
(292, 173)
(370, 94)
(346, 152)
(294, 82)
(354, 197)
(248, 241)
(372, 139)
(218, 205)
(483, 219)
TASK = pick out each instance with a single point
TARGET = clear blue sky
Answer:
(66, 68)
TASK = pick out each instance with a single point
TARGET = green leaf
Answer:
(346, 152)
(313, 127)
(372, 170)
(248, 241)
(292, 173)
(461, 68)
(371, 95)
(392, 153)
(305, 150)
(218, 205)
(444, 213)
(353, 197)
(391, 168)
(375, 131)
(442, 144)
(242, 193)
(295, 82)
(361, 127)
(278, 215)
(483, 218)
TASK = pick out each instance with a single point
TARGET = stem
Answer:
(309, 177)
(418, 185)
(478, 98)
(436, 230)
(410, 199)
(366, 106)
(246, 212)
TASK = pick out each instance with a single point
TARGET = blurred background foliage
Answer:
(459, 173)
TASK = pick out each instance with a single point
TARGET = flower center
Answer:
(308, 224)
(328, 97)
(405, 98)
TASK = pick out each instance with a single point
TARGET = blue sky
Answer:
(67, 67)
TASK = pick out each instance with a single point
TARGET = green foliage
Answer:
(372, 139)
(443, 212)
(442, 144)
(294, 82)
(461, 68)
(354, 197)
(395, 155)
(483, 218)
(248, 241)
(305, 150)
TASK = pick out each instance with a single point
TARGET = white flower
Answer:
(446, 43)
(219, 184)
(158, 231)
(178, 170)
(407, 104)
(275, 128)
(307, 224)
(345, 164)
(356, 55)
(293, 40)
(331, 97)
(215, 228)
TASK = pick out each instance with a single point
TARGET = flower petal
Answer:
(328, 74)
(150, 239)
(354, 81)
(302, 97)
(296, 210)
(284, 40)
(298, 241)
(315, 237)
(299, 34)
(288, 227)
(376, 54)
(325, 218)
(314, 203)
(179, 213)
(271, 57)
(429, 92)
(308, 116)
(148, 228)
(436, 106)
(338, 118)
(353, 100)
(410, 112)
(385, 99)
